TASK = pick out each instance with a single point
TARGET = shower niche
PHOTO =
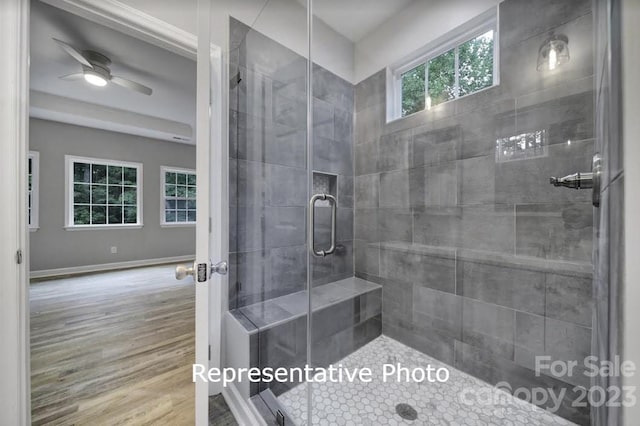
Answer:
(325, 183)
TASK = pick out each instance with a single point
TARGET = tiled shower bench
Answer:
(273, 333)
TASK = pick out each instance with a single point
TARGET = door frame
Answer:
(15, 397)
(15, 386)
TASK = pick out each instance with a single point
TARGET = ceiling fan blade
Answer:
(74, 53)
(72, 77)
(131, 85)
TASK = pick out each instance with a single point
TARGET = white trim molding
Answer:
(14, 259)
(103, 267)
(133, 22)
(243, 410)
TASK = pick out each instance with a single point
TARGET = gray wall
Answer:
(483, 264)
(54, 247)
(268, 169)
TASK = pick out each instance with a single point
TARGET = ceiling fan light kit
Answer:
(93, 77)
(95, 70)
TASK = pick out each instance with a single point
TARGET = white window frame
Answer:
(69, 221)
(163, 222)
(34, 218)
(487, 21)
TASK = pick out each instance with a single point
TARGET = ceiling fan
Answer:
(95, 70)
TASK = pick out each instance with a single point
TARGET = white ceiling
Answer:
(354, 19)
(172, 77)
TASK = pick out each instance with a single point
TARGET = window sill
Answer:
(101, 227)
(33, 228)
(178, 225)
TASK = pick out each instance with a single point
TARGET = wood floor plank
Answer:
(113, 349)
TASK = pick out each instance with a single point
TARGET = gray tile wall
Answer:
(484, 265)
(268, 169)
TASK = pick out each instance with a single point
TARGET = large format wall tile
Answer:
(435, 146)
(332, 156)
(527, 181)
(519, 289)
(437, 226)
(488, 227)
(394, 189)
(394, 151)
(569, 298)
(438, 310)
(478, 180)
(555, 231)
(371, 91)
(366, 158)
(366, 191)
(428, 270)
(366, 224)
(395, 225)
(489, 326)
(434, 185)
(493, 255)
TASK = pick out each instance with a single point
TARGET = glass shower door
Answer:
(267, 293)
(459, 272)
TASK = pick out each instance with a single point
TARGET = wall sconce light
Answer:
(553, 52)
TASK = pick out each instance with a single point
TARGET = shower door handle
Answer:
(312, 224)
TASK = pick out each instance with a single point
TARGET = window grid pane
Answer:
(104, 194)
(442, 78)
(179, 197)
(464, 69)
(476, 64)
(413, 90)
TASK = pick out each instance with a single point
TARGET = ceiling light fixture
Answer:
(95, 79)
(553, 52)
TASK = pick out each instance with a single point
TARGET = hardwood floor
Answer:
(113, 349)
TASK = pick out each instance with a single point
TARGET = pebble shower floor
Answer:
(357, 403)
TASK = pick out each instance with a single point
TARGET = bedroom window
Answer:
(103, 193)
(178, 196)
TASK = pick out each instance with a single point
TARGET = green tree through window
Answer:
(476, 64)
(413, 90)
(460, 71)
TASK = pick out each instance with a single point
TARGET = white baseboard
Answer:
(243, 410)
(75, 270)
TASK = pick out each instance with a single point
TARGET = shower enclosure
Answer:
(390, 204)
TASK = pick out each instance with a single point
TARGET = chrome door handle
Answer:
(312, 237)
(588, 180)
(183, 271)
(220, 268)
